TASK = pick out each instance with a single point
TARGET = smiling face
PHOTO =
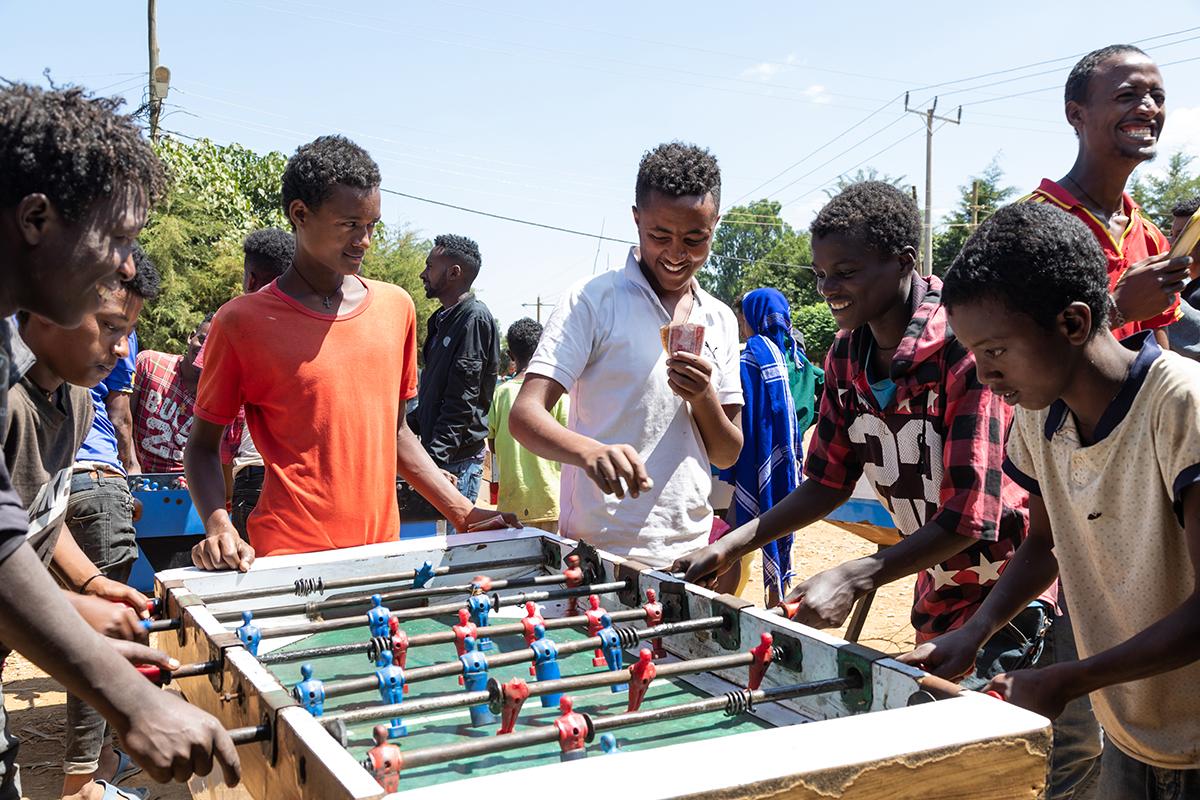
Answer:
(337, 234)
(1016, 358)
(674, 237)
(1125, 110)
(86, 354)
(859, 284)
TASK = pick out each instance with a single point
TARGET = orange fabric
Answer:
(322, 396)
(1141, 239)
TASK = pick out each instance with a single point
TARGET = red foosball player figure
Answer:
(399, 644)
(573, 576)
(641, 674)
(514, 694)
(384, 761)
(654, 616)
(595, 622)
(462, 630)
(763, 654)
(572, 731)
(532, 619)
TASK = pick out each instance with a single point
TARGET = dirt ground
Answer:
(36, 702)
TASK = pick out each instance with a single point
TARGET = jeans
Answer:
(247, 488)
(470, 474)
(1075, 753)
(1123, 777)
(100, 517)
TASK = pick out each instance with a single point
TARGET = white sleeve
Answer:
(567, 340)
(728, 366)
(1177, 429)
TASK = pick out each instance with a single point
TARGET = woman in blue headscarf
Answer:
(769, 465)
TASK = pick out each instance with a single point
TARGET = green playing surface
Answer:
(446, 727)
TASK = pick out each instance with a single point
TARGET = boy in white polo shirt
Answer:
(644, 424)
(1107, 441)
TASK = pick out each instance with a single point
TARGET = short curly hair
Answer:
(318, 166)
(1185, 208)
(463, 250)
(677, 169)
(270, 250)
(73, 148)
(1081, 73)
(1035, 259)
(884, 217)
(146, 281)
(522, 339)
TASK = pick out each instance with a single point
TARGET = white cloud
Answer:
(1182, 131)
(816, 93)
(768, 70)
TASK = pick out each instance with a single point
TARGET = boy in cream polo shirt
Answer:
(1107, 441)
(644, 424)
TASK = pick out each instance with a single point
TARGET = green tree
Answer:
(860, 175)
(398, 256)
(816, 324)
(1158, 195)
(754, 247)
(957, 226)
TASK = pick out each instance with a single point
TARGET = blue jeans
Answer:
(1123, 777)
(470, 474)
(1075, 753)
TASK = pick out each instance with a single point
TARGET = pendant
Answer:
(327, 302)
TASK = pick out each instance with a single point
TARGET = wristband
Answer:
(1118, 319)
(83, 588)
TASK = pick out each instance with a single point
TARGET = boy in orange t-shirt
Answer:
(323, 361)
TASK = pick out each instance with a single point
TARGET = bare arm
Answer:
(164, 734)
(615, 468)
(120, 413)
(415, 466)
(77, 570)
(222, 548)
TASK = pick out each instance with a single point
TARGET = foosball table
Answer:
(518, 662)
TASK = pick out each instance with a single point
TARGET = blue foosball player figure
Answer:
(608, 743)
(249, 633)
(480, 606)
(310, 691)
(391, 690)
(475, 679)
(545, 663)
(424, 575)
(379, 617)
(610, 643)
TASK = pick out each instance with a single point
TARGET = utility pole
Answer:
(539, 305)
(975, 207)
(929, 116)
(159, 76)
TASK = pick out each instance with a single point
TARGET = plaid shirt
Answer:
(162, 420)
(934, 455)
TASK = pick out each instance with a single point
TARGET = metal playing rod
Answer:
(732, 703)
(442, 637)
(303, 628)
(591, 680)
(250, 734)
(629, 637)
(314, 608)
(304, 586)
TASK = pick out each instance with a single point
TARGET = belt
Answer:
(97, 474)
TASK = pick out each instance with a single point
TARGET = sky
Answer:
(540, 111)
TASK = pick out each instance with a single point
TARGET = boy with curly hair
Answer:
(76, 183)
(1106, 439)
(644, 424)
(332, 437)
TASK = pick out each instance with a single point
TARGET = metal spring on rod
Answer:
(309, 585)
(376, 646)
(627, 637)
(738, 702)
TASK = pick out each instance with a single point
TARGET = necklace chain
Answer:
(326, 300)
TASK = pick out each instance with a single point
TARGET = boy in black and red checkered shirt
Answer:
(904, 407)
